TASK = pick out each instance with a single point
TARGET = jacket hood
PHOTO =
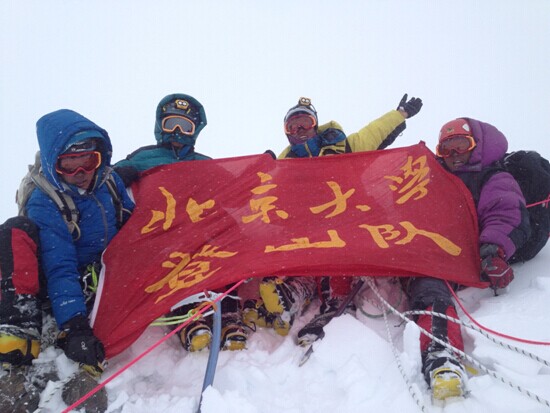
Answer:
(491, 146)
(166, 137)
(58, 130)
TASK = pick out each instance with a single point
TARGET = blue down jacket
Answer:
(61, 257)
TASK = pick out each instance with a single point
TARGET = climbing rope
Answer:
(177, 319)
(410, 386)
(147, 351)
(521, 340)
(481, 367)
(482, 332)
(396, 304)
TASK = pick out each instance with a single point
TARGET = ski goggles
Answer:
(173, 122)
(459, 144)
(301, 121)
(72, 163)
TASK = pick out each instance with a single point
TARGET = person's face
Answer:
(456, 160)
(82, 179)
(301, 127)
(456, 151)
(78, 169)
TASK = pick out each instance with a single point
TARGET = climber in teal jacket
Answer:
(175, 137)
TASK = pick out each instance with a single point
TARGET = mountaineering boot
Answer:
(17, 348)
(196, 335)
(314, 330)
(287, 298)
(81, 384)
(233, 335)
(445, 375)
(447, 381)
(256, 315)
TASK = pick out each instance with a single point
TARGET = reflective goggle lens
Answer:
(72, 163)
(171, 123)
(301, 121)
(458, 144)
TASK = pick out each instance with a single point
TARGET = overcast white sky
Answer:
(249, 61)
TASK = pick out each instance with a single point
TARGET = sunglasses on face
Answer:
(72, 163)
(173, 122)
(458, 144)
(301, 121)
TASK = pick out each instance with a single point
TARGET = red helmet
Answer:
(454, 127)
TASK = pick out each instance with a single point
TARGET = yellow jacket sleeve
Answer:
(368, 138)
(371, 136)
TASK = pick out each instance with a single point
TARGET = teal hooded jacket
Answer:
(162, 153)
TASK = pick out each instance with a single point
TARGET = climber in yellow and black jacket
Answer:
(284, 298)
(307, 139)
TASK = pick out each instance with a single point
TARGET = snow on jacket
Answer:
(502, 216)
(61, 257)
(331, 140)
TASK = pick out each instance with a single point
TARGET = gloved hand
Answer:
(129, 174)
(494, 267)
(412, 106)
(79, 344)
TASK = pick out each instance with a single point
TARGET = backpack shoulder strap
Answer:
(121, 212)
(64, 202)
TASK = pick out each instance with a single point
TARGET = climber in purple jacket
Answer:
(470, 149)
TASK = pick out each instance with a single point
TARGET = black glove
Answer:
(271, 153)
(128, 174)
(412, 107)
(79, 344)
(494, 267)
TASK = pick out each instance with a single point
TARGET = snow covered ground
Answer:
(353, 369)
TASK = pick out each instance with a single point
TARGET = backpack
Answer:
(35, 179)
(532, 173)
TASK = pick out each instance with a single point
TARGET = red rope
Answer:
(150, 349)
(521, 340)
(544, 201)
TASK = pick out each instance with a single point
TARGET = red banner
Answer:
(202, 225)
